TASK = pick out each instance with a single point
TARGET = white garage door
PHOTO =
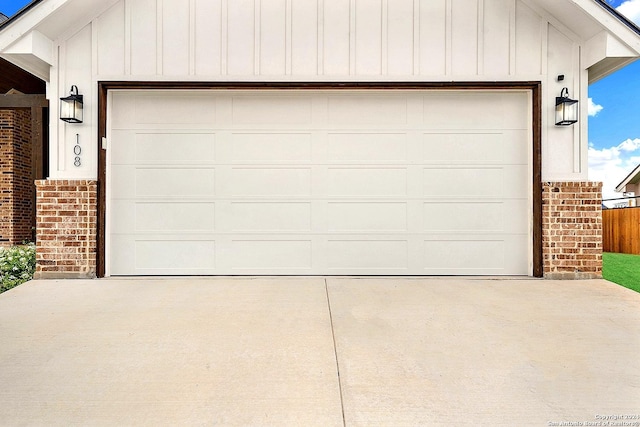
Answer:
(319, 182)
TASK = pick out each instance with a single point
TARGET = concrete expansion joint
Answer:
(335, 351)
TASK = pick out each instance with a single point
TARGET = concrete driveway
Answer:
(319, 352)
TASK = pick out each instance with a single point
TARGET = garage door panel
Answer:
(367, 147)
(477, 110)
(271, 147)
(271, 217)
(319, 182)
(273, 255)
(174, 217)
(159, 255)
(490, 182)
(470, 255)
(272, 111)
(172, 148)
(174, 182)
(194, 109)
(360, 110)
(175, 254)
(367, 182)
(357, 217)
(130, 216)
(484, 147)
(367, 255)
(505, 216)
(261, 182)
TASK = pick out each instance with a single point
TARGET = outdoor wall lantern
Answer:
(566, 109)
(71, 107)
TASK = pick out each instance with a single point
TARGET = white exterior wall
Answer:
(319, 40)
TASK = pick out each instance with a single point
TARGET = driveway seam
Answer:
(335, 351)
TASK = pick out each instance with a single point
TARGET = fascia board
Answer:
(610, 23)
(26, 23)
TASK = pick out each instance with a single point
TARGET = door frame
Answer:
(536, 126)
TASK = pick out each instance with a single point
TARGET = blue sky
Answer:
(10, 7)
(614, 113)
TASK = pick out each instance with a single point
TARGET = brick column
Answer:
(16, 184)
(572, 230)
(66, 230)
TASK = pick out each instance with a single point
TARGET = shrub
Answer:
(17, 265)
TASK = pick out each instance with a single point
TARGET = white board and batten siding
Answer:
(319, 182)
(320, 40)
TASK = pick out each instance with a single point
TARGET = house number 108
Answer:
(77, 150)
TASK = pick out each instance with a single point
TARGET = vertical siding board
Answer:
(224, 38)
(384, 39)
(208, 37)
(143, 37)
(305, 36)
(175, 37)
(110, 40)
(433, 37)
(448, 44)
(160, 37)
(496, 37)
(336, 40)
(512, 37)
(464, 37)
(127, 37)
(416, 37)
(400, 33)
(192, 37)
(480, 38)
(368, 37)
(257, 34)
(528, 40)
(273, 37)
(288, 35)
(241, 37)
(320, 36)
(352, 36)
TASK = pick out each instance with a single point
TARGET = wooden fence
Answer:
(621, 230)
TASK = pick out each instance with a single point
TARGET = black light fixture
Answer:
(71, 107)
(566, 109)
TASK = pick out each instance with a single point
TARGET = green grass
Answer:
(623, 269)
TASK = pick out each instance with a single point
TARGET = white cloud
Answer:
(630, 9)
(612, 165)
(593, 108)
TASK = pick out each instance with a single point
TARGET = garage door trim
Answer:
(534, 87)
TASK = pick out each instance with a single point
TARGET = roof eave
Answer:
(634, 173)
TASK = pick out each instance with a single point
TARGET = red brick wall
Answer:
(16, 185)
(66, 229)
(572, 230)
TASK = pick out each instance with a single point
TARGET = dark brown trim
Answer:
(102, 181)
(536, 100)
(534, 86)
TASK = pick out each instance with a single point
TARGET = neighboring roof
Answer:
(632, 178)
(3, 17)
